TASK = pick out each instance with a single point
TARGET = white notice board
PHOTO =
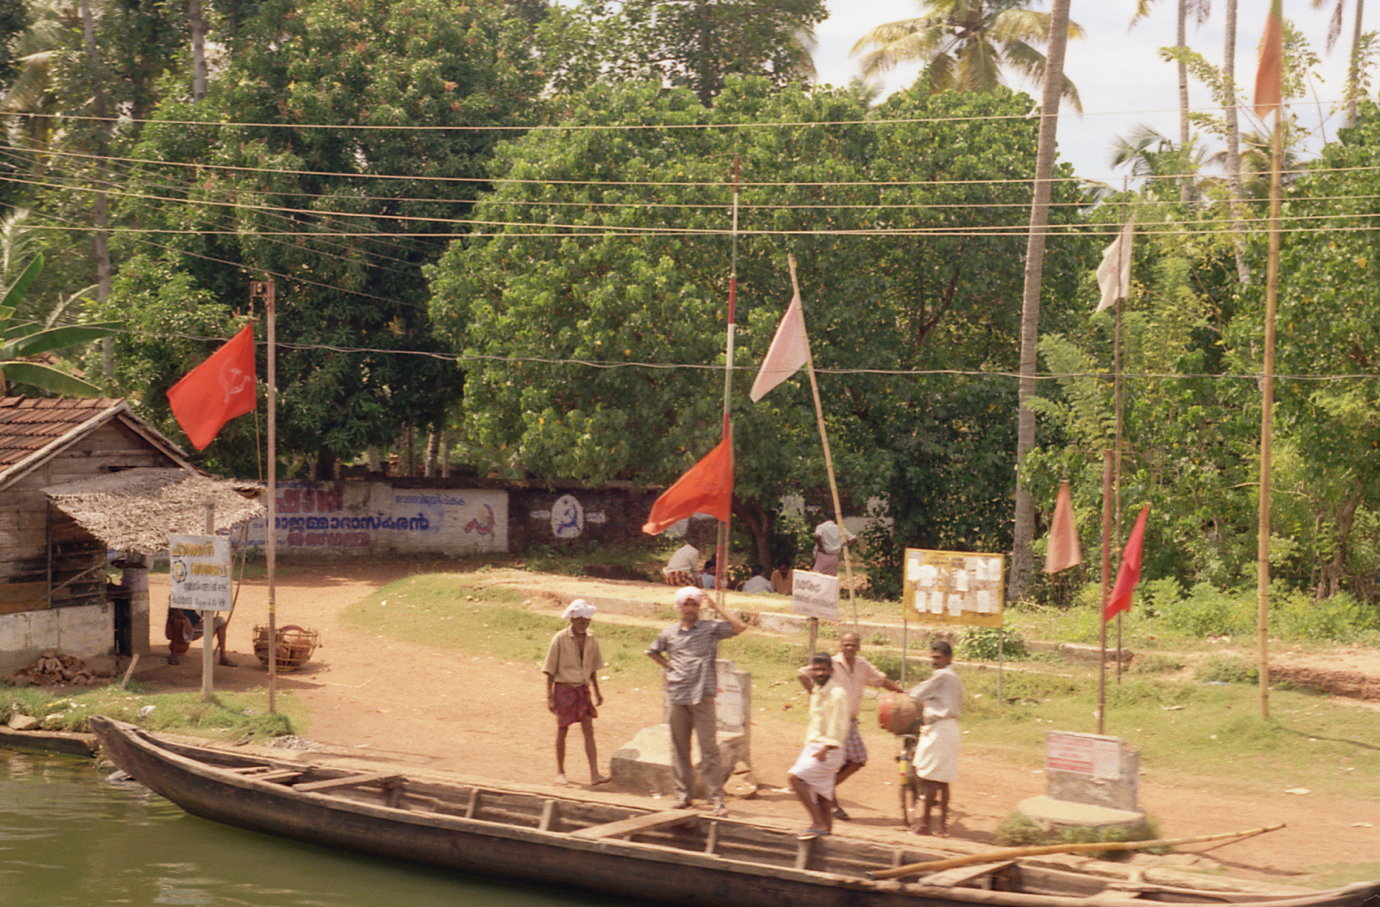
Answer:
(199, 567)
(955, 587)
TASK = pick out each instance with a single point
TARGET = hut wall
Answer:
(39, 544)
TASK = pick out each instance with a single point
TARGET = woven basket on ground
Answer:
(295, 646)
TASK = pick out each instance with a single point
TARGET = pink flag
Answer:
(790, 349)
(1064, 551)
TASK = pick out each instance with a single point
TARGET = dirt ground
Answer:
(374, 698)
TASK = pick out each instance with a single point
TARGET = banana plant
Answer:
(21, 343)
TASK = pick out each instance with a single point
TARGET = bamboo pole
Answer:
(828, 459)
(1014, 853)
(721, 538)
(208, 623)
(271, 318)
(1267, 403)
(1107, 458)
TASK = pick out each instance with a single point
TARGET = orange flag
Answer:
(1129, 574)
(706, 488)
(1268, 93)
(1063, 551)
(217, 390)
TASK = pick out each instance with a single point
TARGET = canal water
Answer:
(69, 838)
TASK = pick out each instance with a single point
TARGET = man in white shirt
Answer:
(812, 776)
(683, 569)
(936, 755)
(757, 584)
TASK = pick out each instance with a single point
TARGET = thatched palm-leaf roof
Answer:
(135, 510)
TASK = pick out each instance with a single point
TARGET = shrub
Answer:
(1155, 664)
(1296, 615)
(1208, 611)
(1226, 669)
(991, 643)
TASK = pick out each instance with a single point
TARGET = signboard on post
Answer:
(199, 567)
(955, 587)
(815, 594)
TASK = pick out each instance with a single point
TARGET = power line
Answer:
(605, 364)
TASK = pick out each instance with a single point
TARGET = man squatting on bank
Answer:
(686, 651)
(812, 776)
(936, 755)
(572, 667)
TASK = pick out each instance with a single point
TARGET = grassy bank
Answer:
(1189, 732)
(228, 716)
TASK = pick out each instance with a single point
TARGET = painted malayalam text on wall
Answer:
(374, 516)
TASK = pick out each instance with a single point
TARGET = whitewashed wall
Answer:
(362, 518)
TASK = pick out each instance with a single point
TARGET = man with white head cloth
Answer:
(572, 670)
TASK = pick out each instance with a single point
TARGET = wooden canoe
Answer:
(666, 857)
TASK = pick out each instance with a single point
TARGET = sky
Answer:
(1118, 70)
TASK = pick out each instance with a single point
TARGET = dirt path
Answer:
(484, 717)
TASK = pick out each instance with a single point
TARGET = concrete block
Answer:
(1092, 769)
(1051, 814)
(644, 763)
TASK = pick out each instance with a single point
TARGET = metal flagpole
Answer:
(1267, 394)
(721, 546)
(828, 458)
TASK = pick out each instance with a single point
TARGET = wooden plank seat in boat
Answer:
(962, 875)
(268, 773)
(385, 779)
(634, 824)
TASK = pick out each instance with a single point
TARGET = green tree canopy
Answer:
(696, 44)
(317, 206)
(619, 254)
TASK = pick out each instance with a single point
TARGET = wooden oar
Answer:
(1012, 853)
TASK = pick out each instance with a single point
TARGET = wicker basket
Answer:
(295, 646)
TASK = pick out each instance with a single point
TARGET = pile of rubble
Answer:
(55, 669)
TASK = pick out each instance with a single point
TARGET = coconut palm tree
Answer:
(1199, 10)
(1334, 31)
(966, 44)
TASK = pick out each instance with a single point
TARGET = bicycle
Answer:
(908, 783)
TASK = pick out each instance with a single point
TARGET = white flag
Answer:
(790, 349)
(1114, 274)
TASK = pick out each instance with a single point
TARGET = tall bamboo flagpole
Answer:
(1267, 404)
(828, 458)
(271, 313)
(721, 546)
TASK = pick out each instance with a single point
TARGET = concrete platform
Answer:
(1050, 813)
(644, 763)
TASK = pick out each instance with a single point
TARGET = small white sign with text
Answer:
(815, 594)
(199, 567)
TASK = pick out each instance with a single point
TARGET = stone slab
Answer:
(1047, 812)
(644, 763)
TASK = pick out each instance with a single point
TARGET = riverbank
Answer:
(370, 695)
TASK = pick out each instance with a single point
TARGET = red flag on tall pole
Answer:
(1129, 574)
(706, 488)
(217, 390)
(1063, 551)
(1268, 90)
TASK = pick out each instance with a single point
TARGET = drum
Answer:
(898, 713)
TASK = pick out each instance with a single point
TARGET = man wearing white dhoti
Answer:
(936, 755)
(812, 776)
